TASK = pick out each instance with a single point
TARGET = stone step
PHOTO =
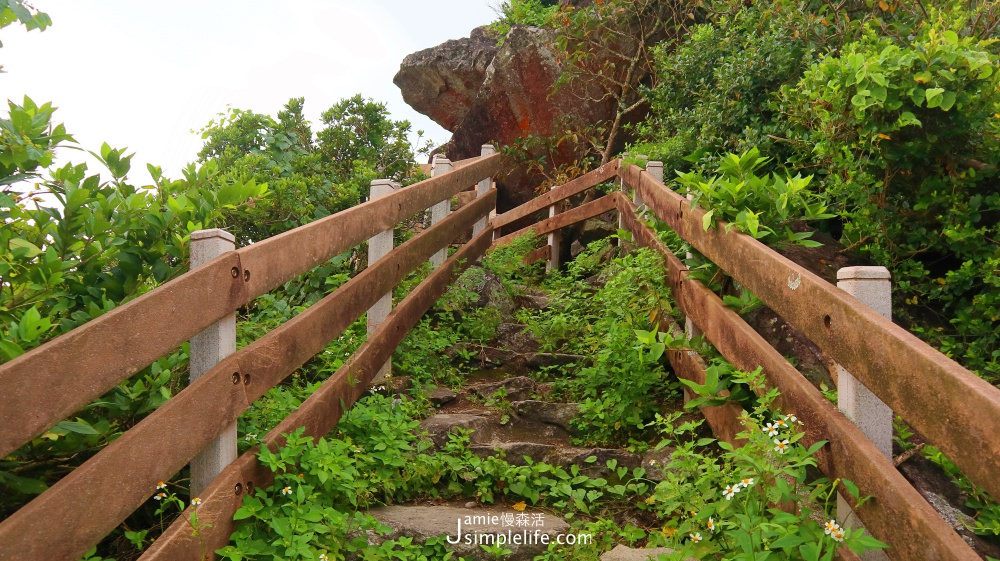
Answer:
(526, 533)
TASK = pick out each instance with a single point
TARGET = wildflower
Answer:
(652, 462)
(711, 524)
(791, 419)
(161, 485)
(837, 535)
(782, 446)
(781, 423)
(731, 491)
(286, 491)
(746, 481)
(323, 557)
(159, 496)
(251, 437)
(195, 502)
(695, 537)
(771, 429)
(830, 527)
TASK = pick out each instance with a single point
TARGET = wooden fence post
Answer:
(378, 247)
(440, 211)
(873, 288)
(481, 189)
(207, 349)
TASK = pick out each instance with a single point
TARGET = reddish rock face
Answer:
(514, 98)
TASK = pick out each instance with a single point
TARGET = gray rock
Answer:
(566, 457)
(538, 360)
(441, 396)
(516, 337)
(514, 452)
(442, 82)
(479, 524)
(624, 553)
(558, 414)
(440, 426)
(519, 388)
(655, 461)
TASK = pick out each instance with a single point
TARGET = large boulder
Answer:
(485, 94)
(442, 82)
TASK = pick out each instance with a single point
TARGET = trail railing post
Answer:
(207, 349)
(440, 211)
(554, 240)
(873, 288)
(378, 247)
(481, 189)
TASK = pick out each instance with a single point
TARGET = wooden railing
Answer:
(44, 386)
(952, 408)
(955, 410)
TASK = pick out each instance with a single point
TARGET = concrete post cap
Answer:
(863, 273)
(212, 233)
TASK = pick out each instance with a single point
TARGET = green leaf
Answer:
(79, 427)
(934, 97)
(27, 249)
(706, 220)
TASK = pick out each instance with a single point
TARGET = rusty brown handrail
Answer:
(563, 192)
(953, 408)
(70, 371)
(563, 219)
(94, 498)
(898, 514)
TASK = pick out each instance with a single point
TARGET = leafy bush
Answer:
(903, 138)
(761, 206)
(724, 506)
(535, 13)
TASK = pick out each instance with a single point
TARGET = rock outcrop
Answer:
(511, 97)
(442, 82)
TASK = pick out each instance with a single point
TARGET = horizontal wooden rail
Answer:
(318, 414)
(563, 192)
(563, 219)
(51, 382)
(953, 408)
(898, 514)
(95, 497)
(537, 255)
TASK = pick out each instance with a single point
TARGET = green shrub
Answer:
(904, 138)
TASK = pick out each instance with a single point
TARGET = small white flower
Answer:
(286, 491)
(711, 524)
(830, 527)
(323, 557)
(159, 496)
(730, 491)
(771, 429)
(195, 502)
(837, 535)
(695, 537)
(161, 485)
(782, 446)
(746, 481)
(251, 437)
(791, 419)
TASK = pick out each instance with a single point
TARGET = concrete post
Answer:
(441, 210)
(654, 169)
(554, 240)
(207, 349)
(872, 286)
(481, 189)
(378, 247)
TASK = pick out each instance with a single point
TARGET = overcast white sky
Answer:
(145, 74)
